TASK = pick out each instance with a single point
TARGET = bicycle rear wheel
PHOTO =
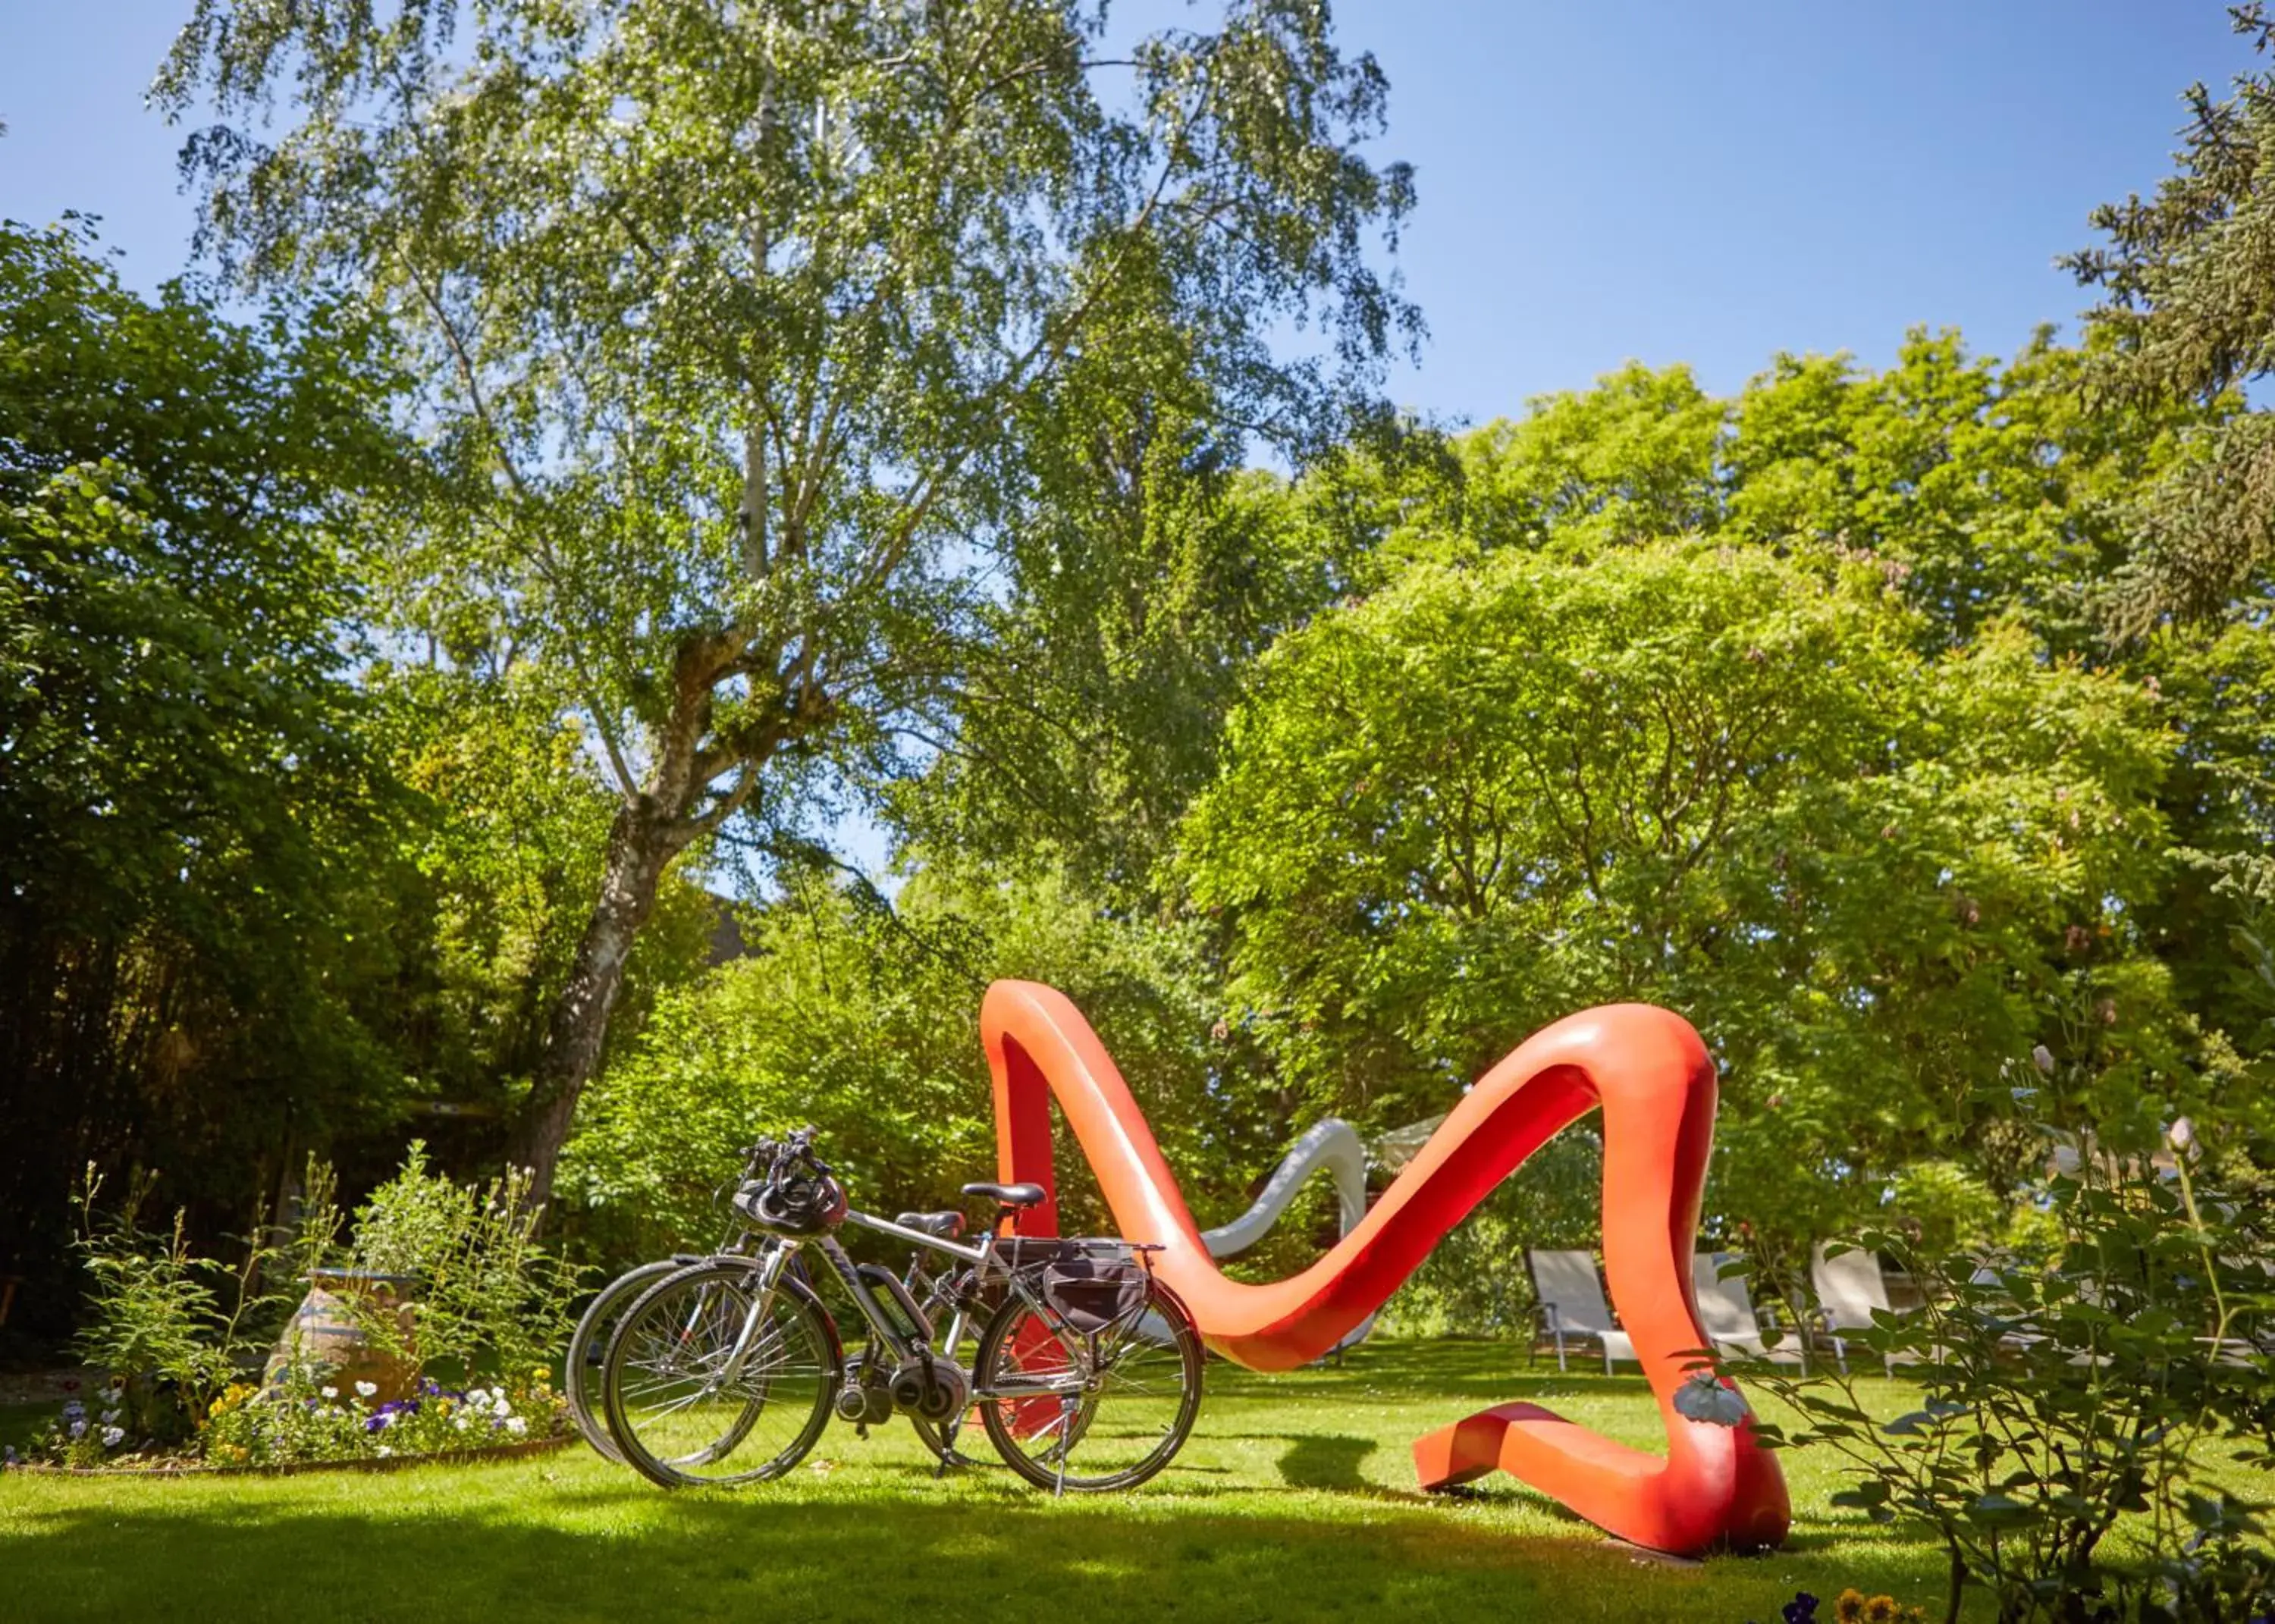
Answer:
(1090, 1411)
(704, 1384)
(588, 1347)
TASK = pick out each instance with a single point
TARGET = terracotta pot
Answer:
(324, 1334)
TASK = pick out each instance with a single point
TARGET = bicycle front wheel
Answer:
(705, 1383)
(1090, 1410)
(588, 1347)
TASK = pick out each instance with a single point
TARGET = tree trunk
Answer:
(640, 846)
(651, 829)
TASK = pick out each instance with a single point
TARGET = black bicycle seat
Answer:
(1009, 1194)
(947, 1226)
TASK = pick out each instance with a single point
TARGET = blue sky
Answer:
(1703, 183)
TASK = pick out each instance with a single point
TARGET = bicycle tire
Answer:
(588, 1346)
(1016, 1369)
(676, 1337)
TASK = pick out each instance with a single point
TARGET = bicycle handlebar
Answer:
(780, 1156)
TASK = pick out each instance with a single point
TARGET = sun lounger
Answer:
(1727, 1309)
(1573, 1311)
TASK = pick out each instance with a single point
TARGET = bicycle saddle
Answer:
(947, 1226)
(1008, 1195)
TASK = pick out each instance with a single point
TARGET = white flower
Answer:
(79, 1428)
(112, 1437)
(515, 1425)
(329, 1393)
(110, 1418)
(458, 1423)
(384, 1451)
(367, 1389)
(502, 1407)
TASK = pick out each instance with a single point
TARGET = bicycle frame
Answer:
(780, 1250)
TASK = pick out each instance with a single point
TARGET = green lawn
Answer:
(1295, 1500)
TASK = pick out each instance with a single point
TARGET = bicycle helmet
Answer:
(801, 1207)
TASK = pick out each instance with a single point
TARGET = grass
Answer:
(1295, 1500)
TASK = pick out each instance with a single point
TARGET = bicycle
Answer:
(726, 1371)
(597, 1325)
(588, 1342)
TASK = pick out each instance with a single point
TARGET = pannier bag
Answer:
(1094, 1293)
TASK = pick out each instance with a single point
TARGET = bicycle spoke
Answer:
(701, 1388)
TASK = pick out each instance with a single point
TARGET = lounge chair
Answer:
(1572, 1306)
(1849, 1290)
(1727, 1309)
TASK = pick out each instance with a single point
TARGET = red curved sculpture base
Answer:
(1716, 1486)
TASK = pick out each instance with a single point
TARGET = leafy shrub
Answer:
(168, 1325)
(2076, 1402)
(488, 1298)
(177, 1330)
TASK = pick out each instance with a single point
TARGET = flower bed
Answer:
(437, 1280)
(292, 1426)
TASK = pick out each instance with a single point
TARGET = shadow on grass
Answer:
(1327, 1462)
(507, 1544)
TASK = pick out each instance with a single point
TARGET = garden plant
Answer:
(201, 1363)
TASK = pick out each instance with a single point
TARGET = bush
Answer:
(490, 1300)
(2075, 1401)
(177, 1331)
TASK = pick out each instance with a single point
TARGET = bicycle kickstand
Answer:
(1068, 1404)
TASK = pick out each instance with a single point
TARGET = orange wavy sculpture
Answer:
(1716, 1486)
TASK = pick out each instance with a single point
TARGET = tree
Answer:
(736, 315)
(1087, 714)
(1981, 487)
(194, 857)
(1712, 778)
(863, 1019)
(2184, 276)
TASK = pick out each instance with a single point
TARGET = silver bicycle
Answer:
(1085, 1376)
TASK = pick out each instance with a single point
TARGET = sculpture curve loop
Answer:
(1715, 1486)
(1333, 1147)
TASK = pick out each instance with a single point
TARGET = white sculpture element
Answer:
(1332, 1145)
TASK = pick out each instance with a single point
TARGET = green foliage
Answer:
(194, 925)
(864, 1022)
(172, 1329)
(1706, 777)
(1088, 709)
(1474, 1283)
(166, 1325)
(1946, 1206)
(2184, 275)
(742, 325)
(489, 1298)
(1979, 489)
(2075, 1403)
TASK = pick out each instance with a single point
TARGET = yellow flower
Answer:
(1848, 1607)
(1881, 1610)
